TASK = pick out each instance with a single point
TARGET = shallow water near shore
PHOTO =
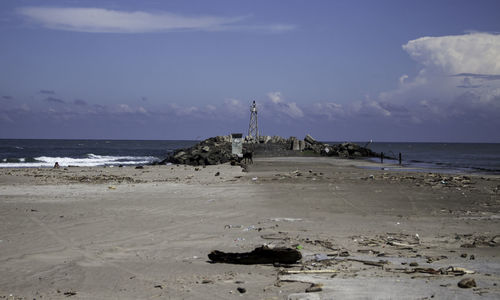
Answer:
(442, 157)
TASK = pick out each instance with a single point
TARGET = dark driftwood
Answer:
(260, 255)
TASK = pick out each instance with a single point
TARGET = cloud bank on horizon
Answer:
(454, 95)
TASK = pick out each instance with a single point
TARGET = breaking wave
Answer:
(90, 160)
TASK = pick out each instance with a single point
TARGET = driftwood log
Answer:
(260, 255)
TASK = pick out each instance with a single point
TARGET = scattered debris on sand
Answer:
(260, 255)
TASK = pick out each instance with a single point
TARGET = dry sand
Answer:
(126, 233)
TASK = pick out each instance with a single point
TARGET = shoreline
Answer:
(372, 164)
(141, 233)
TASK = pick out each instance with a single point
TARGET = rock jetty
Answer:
(212, 151)
(217, 150)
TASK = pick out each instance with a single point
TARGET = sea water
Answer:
(84, 153)
(444, 157)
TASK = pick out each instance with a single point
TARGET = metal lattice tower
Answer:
(253, 129)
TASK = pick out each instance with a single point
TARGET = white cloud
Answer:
(142, 110)
(235, 108)
(470, 53)
(124, 108)
(185, 111)
(290, 109)
(459, 80)
(114, 21)
(121, 109)
(403, 78)
(275, 97)
(331, 110)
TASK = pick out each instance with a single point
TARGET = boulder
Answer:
(302, 145)
(309, 139)
(295, 144)
(212, 151)
(264, 139)
(278, 140)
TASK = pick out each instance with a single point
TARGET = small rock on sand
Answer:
(467, 283)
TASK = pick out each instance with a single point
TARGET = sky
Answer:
(408, 71)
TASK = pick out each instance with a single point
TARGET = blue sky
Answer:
(339, 70)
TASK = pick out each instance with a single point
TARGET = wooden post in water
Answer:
(400, 159)
(381, 157)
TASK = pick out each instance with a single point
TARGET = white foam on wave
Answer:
(91, 160)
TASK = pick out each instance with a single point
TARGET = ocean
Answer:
(84, 153)
(441, 157)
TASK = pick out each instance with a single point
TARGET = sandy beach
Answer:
(127, 233)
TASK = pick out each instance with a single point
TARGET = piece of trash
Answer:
(239, 239)
(401, 245)
(112, 187)
(425, 270)
(379, 263)
(254, 178)
(459, 271)
(232, 226)
(321, 256)
(285, 219)
(315, 287)
(260, 255)
(274, 236)
(251, 227)
(290, 272)
(69, 294)
(467, 283)
(159, 286)
(299, 247)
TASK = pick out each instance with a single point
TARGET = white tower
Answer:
(253, 129)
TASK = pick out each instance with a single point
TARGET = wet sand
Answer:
(126, 233)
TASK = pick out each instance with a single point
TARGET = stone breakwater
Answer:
(217, 150)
